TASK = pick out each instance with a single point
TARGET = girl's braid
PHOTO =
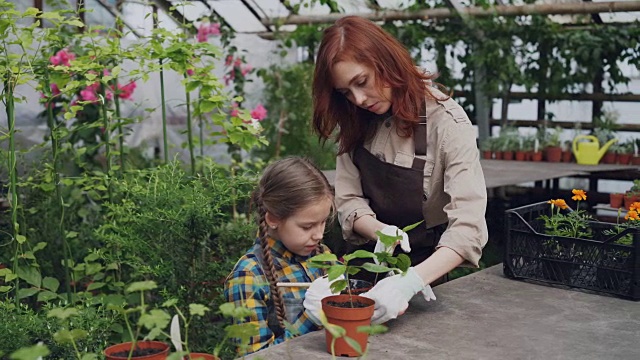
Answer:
(270, 270)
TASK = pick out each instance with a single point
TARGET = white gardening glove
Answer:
(427, 293)
(392, 295)
(319, 289)
(392, 230)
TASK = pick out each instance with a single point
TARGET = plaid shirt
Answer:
(247, 285)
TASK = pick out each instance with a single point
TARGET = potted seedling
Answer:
(348, 315)
(153, 320)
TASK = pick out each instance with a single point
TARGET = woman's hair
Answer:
(287, 186)
(359, 40)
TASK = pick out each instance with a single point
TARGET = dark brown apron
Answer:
(395, 195)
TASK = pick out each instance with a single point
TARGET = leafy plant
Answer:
(337, 268)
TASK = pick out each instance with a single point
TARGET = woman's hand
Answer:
(392, 295)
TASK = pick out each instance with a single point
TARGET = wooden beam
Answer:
(572, 97)
(564, 124)
(440, 13)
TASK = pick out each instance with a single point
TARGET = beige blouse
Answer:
(453, 179)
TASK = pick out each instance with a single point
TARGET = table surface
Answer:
(488, 316)
(507, 172)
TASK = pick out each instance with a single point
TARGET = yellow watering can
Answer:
(589, 152)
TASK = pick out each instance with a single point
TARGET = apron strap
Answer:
(420, 142)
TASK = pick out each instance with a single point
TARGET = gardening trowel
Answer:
(176, 339)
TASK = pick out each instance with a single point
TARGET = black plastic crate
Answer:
(596, 264)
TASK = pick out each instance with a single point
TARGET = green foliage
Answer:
(94, 328)
(288, 126)
(165, 226)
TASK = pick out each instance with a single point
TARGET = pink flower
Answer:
(88, 94)
(206, 29)
(259, 113)
(229, 77)
(55, 91)
(190, 72)
(214, 29)
(234, 110)
(228, 60)
(245, 69)
(62, 57)
(237, 63)
(126, 91)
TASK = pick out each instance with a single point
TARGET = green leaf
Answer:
(69, 336)
(403, 263)
(62, 313)
(4, 289)
(75, 22)
(95, 286)
(30, 274)
(30, 12)
(25, 293)
(142, 286)
(21, 239)
(354, 344)
(412, 226)
(373, 329)
(155, 318)
(359, 254)
(50, 283)
(338, 285)
(197, 309)
(30, 353)
(207, 106)
(51, 15)
(324, 257)
(372, 267)
(170, 302)
(46, 295)
(335, 271)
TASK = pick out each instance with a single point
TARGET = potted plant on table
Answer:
(557, 255)
(347, 317)
(633, 194)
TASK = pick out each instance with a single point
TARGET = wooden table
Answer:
(499, 173)
(488, 316)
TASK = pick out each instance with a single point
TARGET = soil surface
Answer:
(347, 304)
(136, 353)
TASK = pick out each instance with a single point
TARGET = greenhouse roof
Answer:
(248, 16)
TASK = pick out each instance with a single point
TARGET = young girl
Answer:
(294, 201)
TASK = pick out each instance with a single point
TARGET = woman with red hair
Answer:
(407, 152)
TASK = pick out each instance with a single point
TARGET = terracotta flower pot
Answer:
(630, 199)
(487, 154)
(536, 156)
(567, 156)
(624, 159)
(608, 158)
(635, 160)
(202, 356)
(148, 350)
(521, 156)
(498, 155)
(507, 155)
(349, 319)
(553, 153)
(616, 200)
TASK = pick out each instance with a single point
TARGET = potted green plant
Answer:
(557, 255)
(624, 152)
(152, 320)
(552, 145)
(348, 314)
(633, 194)
(486, 148)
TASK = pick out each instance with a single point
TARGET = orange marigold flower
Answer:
(559, 203)
(579, 195)
(632, 215)
(635, 206)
